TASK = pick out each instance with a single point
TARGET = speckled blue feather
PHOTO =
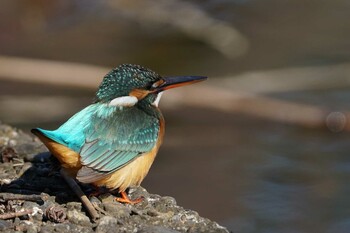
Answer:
(121, 80)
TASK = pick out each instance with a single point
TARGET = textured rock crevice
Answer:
(26, 168)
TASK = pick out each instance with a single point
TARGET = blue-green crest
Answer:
(123, 79)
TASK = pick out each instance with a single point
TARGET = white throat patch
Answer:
(156, 102)
(123, 101)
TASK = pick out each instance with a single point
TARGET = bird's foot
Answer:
(125, 199)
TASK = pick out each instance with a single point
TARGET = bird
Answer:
(113, 142)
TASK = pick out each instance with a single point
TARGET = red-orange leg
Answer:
(125, 199)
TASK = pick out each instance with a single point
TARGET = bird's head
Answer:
(128, 85)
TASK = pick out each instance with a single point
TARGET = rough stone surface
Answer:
(26, 168)
(5, 225)
(107, 224)
(78, 218)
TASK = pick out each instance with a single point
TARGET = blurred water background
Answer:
(255, 154)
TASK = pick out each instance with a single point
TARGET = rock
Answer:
(107, 224)
(32, 229)
(37, 212)
(78, 218)
(164, 203)
(156, 229)
(65, 228)
(115, 208)
(5, 225)
(74, 206)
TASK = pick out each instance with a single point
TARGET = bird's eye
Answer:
(157, 84)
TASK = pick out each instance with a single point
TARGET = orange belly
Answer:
(131, 174)
(134, 172)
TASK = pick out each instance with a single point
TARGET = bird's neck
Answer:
(150, 109)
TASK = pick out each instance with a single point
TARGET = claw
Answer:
(125, 199)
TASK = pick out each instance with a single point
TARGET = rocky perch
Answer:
(35, 198)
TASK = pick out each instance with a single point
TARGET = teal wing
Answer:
(114, 139)
(71, 133)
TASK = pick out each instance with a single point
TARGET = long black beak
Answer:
(178, 81)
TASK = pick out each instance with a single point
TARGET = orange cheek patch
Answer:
(139, 93)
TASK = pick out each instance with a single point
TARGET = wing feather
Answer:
(87, 147)
(103, 162)
(114, 141)
(103, 155)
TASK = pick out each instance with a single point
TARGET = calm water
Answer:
(257, 176)
(249, 174)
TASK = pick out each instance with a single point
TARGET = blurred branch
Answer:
(263, 107)
(290, 79)
(31, 106)
(51, 72)
(203, 95)
(188, 18)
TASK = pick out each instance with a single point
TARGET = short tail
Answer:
(68, 158)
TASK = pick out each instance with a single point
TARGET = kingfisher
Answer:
(113, 142)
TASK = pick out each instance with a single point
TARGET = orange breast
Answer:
(133, 173)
